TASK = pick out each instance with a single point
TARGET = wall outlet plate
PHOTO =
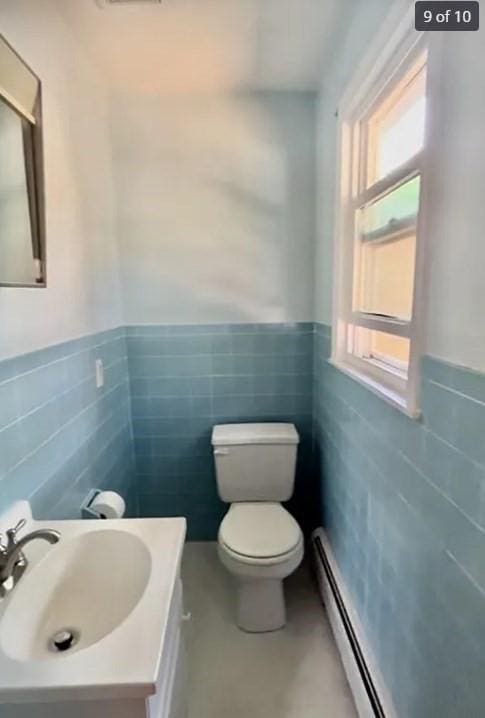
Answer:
(99, 373)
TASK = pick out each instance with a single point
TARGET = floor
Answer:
(292, 673)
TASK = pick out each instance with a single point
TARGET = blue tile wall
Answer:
(59, 435)
(185, 379)
(403, 502)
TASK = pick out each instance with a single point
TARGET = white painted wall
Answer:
(83, 292)
(216, 206)
(215, 198)
(455, 233)
(366, 18)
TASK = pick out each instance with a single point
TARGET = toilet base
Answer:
(260, 605)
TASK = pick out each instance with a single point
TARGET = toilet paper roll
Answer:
(109, 505)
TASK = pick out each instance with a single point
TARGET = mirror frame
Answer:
(34, 166)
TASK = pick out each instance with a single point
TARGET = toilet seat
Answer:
(260, 533)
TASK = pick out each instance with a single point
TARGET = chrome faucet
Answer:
(13, 562)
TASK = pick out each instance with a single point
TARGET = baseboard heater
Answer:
(365, 683)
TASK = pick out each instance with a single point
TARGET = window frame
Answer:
(387, 64)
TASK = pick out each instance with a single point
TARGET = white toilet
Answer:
(260, 543)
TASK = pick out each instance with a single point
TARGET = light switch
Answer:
(99, 373)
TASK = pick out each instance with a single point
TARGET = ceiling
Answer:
(191, 46)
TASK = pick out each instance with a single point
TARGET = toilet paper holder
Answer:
(86, 511)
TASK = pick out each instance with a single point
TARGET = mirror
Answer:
(22, 222)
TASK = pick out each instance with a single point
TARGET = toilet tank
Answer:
(255, 462)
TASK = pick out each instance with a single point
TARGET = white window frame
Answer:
(392, 56)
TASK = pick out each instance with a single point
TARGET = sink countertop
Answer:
(124, 663)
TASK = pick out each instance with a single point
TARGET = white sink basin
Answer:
(87, 585)
(112, 584)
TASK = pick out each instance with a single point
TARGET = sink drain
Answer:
(63, 640)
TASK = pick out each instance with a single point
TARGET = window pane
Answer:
(387, 277)
(395, 129)
(402, 139)
(401, 203)
(389, 348)
(385, 349)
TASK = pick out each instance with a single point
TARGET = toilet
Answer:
(259, 542)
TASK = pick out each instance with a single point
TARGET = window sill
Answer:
(381, 390)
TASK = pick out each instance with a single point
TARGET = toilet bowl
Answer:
(259, 542)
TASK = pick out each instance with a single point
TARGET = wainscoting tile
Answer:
(59, 435)
(184, 380)
(403, 503)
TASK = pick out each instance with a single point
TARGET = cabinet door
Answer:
(169, 700)
(178, 707)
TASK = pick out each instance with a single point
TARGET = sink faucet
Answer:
(12, 559)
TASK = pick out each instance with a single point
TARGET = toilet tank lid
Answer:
(240, 434)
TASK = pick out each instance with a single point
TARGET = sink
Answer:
(87, 585)
(112, 586)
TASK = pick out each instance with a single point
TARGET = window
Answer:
(382, 135)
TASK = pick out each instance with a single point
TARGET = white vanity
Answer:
(112, 591)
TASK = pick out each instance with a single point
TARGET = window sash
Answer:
(406, 172)
(381, 323)
(390, 232)
(378, 369)
(368, 119)
(393, 231)
(361, 98)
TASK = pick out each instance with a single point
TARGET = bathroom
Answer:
(242, 288)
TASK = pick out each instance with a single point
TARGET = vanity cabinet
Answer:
(115, 586)
(168, 701)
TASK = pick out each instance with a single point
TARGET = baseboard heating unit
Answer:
(370, 695)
